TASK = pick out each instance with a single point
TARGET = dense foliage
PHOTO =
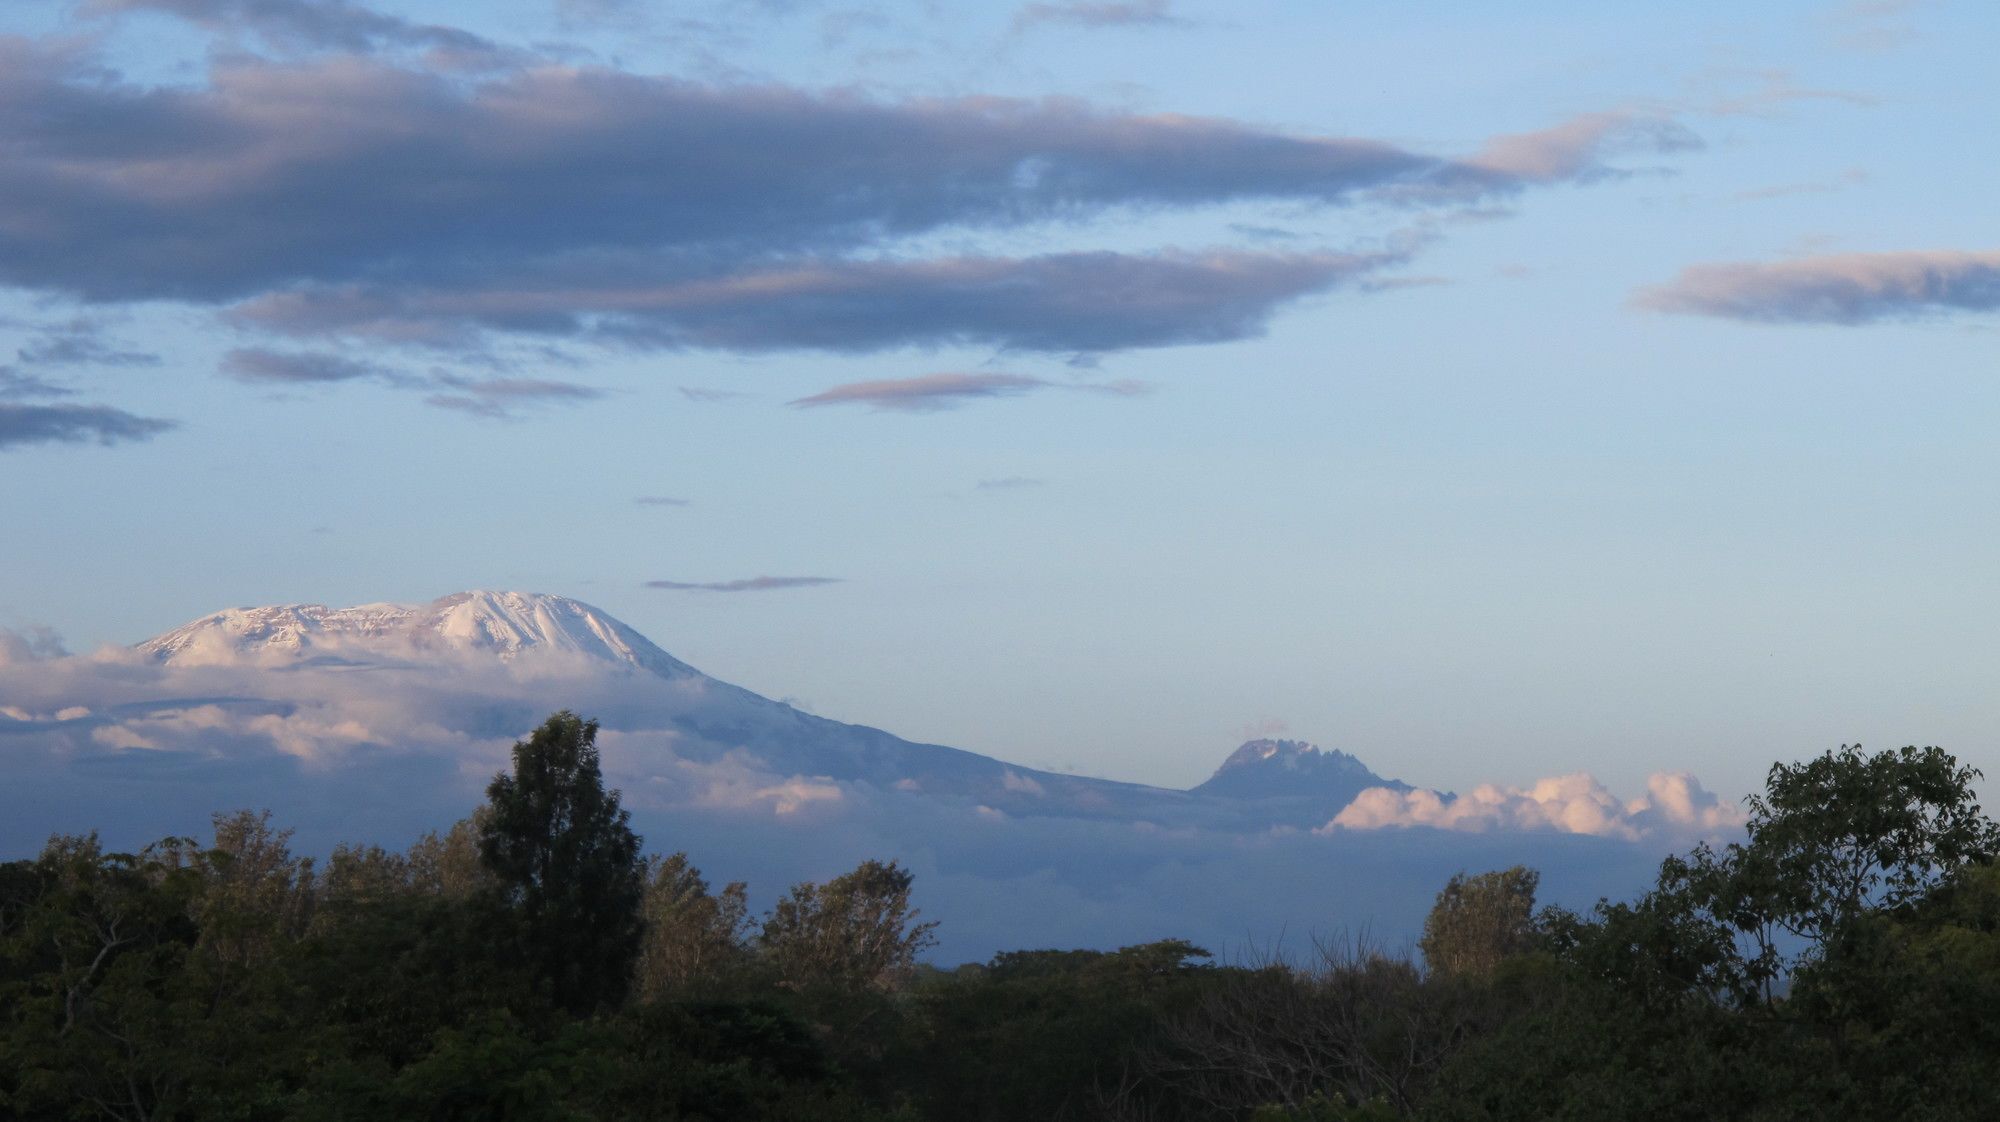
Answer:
(1842, 961)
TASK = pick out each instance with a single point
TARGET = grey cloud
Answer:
(357, 196)
(483, 397)
(74, 424)
(659, 500)
(16, 386)
(81, 343)
(1085, 13)
(747, 584)
(499, 397)
(255, 364)
(306, 24)
(1846, 179)
(1850, 288)
(345, 169)
(1056, 302)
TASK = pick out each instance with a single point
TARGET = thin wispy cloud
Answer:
(746, 584)
(1849, 178)
(16, 386)
(1575, 149)
(708, 396)
(1098, 13)
(1876, 25)
(502, 398)
(1735, 92)
(929, 393)
(659, 500)
(1052, 303)
(81, 343)
(1848, 288)
(481, 397)
(74, 424)
(258, 365)
(340, 25)
(1010, 483)
(926, 393)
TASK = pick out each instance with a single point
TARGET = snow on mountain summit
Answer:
(502, 625)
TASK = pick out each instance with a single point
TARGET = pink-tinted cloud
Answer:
(926, 393)
(1850, 288)
(745, 584)
(1574, 149)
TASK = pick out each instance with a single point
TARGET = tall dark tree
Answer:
(567, 860)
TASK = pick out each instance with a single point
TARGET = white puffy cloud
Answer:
(1674, 806)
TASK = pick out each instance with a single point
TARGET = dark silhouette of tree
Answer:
(1851, 832)
(565, 858)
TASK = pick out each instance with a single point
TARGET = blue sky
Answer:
(1544, 387)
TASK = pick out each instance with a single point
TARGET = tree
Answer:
(255, 894)
(1480, 920)
(447, 865)
(566, 859)
(854, 930)
(692, 936)
(1850, 832)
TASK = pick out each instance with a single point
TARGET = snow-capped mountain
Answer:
(1292, 783)
(608, 669)
(503, 625)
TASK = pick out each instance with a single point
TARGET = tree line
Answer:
(532, 962)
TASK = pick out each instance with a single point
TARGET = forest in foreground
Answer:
(532, 962)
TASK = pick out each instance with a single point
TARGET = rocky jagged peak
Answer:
(1291, 769)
